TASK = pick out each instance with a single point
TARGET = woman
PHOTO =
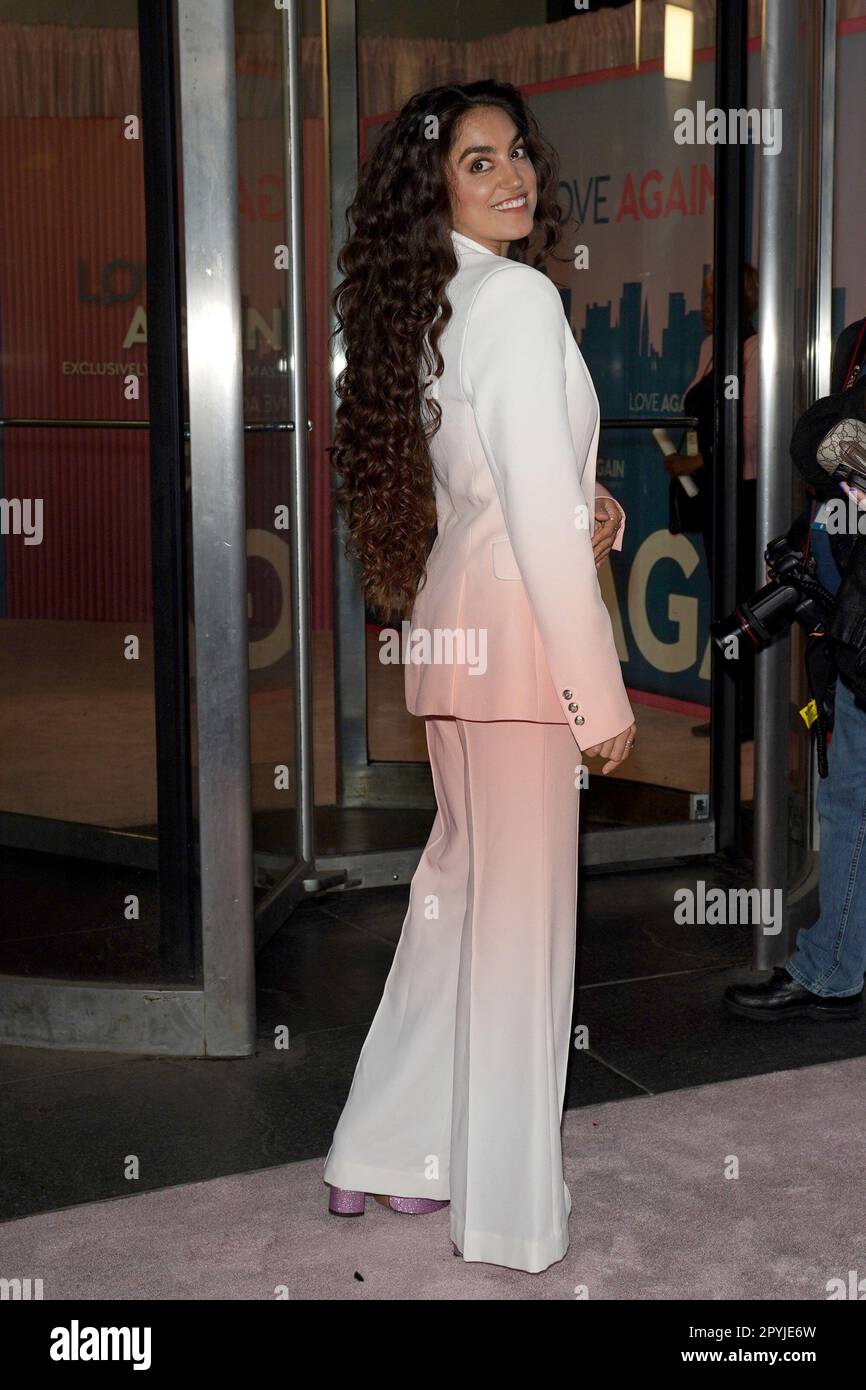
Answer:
(698, 401)
(466, 404)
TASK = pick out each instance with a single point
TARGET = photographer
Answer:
(823, 979)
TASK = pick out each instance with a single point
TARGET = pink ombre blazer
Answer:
(512, 568)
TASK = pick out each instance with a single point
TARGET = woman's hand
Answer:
(608, 520)
(615, 750)
(678, 464)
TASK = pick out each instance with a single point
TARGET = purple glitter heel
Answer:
(344, 1201)
(416, 1206)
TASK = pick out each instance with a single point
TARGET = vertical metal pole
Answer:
(214, 349)
(177, 936)
(294, 185)
(779, 213)
(824, 331)
(340, 94)
(729, 255)
(824, 308)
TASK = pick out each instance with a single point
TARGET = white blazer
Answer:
(512, 571)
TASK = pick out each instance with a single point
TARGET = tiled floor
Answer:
(648, 990)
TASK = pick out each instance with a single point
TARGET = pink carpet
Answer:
(654, 1216)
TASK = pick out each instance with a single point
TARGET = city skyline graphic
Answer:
(620, 353)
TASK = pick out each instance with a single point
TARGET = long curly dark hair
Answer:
(391, 309)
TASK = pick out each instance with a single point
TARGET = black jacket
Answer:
(848, 628)
(818, 419)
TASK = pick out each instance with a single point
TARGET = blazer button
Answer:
(573, 707)
(579, 719)
(566, 694)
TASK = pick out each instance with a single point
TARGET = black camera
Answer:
(793, 594)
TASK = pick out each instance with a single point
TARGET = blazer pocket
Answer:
(504, 563)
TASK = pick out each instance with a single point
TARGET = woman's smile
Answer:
(491, 172)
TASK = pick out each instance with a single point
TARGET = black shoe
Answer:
(701, 730)
(782, 997)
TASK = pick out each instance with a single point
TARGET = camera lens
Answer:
(764, 616)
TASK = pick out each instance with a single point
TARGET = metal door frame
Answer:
(218, 1018)
(791, 189)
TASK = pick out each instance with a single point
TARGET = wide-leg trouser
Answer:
(459, 1087)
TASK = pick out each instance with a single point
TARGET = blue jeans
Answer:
(830, 958)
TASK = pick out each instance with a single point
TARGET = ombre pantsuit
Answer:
(459, 1087)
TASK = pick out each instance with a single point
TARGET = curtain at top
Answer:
(58, 70)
